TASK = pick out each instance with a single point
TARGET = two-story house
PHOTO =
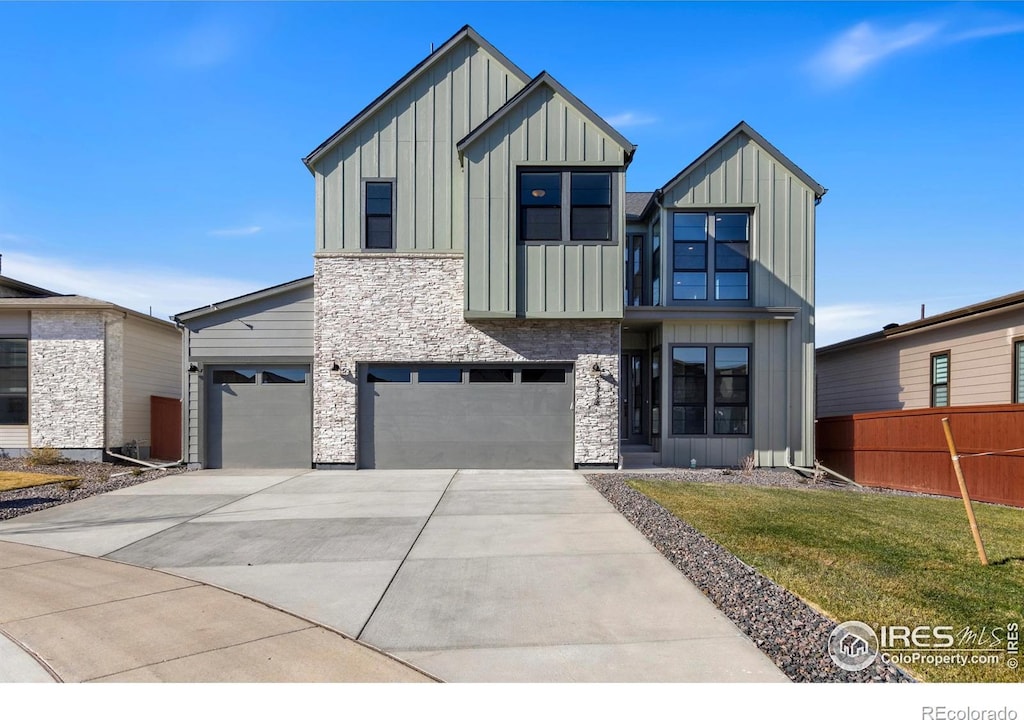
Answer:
(486, 293)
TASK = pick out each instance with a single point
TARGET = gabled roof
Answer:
(243, 299)
(29, 290)
(1012, 301)
(406, 80)
(744, 129)
(545, 79)
(73, 302)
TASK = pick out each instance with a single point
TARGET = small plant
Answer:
(748, 464)
(46, 455)
(819, 475)
(71, 484)
(137, 471)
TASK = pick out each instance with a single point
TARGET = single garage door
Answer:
(444, 416)
(259, 416)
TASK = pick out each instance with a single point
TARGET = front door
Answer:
(633, 398)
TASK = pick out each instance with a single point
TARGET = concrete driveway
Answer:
(471, 575)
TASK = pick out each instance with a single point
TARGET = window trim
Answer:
(709, 402)
(1017, 374)
(615, 173)
(710, 254)
(363, 215)
(931, 378)
(28, 382)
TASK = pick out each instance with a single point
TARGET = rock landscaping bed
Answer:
(785, 628)
(93, 478)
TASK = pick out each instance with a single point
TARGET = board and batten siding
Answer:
(743, 176)
(152, 366)
(412, 139)
(507, 279)
(278, 328)
(895, 373)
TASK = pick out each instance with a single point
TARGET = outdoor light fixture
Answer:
(335, 367)
(539, 192)
(193, 368)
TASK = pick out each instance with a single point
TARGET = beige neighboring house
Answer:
(970, 356)
(77, 373)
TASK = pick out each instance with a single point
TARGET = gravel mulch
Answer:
(783, 626)
(96, 478)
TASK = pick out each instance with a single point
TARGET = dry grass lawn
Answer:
(17, 480)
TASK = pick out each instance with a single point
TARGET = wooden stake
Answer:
(963, 491)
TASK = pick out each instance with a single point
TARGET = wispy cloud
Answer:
(140, 288)
(235, 232)
(630, 119)
(834, 323)
(864, 45)
(205, 45)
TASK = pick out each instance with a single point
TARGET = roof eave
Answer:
(243, 299)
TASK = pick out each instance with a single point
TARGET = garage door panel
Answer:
(259, 424)
(470, 425)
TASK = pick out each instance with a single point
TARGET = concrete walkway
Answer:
(472, 575)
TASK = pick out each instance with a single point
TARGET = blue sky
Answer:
(150, 153)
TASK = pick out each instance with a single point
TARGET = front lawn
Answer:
(881, 559)
(13, 480)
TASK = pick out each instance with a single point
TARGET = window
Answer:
(543, 375)
(634, 285)
(656, 263)
(724, 394)
(1018, 371)
(710, 246)
(14, 381)
(284, 376)
(383, 375)
(234, 376)
(554, 205)
(378, 214)
(656, 392)
(490, 375)
(940, 379)
(439, 375)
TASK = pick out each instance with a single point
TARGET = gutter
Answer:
(152, 466)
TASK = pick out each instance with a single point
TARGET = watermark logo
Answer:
(853, 645)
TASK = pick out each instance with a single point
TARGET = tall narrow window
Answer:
(656, 263)
(656, 392)
(689, 256)
(1018, 371)
(689, 391)
(732, 391)
(540, 205)
(634, 265)
(940, 379)
(732, 256)
(378, 215)
(591, 215)
(14, 382)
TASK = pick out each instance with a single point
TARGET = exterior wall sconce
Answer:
(194, 369)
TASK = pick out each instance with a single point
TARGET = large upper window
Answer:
(557, 205)
(940, 380)
(710, 256)
(14, 382)
(722, 395)
(379, 214)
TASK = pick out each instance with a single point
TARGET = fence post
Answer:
(963, 491)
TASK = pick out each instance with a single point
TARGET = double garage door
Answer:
(410, 416)
(448, 416)
(259, 416)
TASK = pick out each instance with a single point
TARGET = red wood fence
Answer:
(164, 428)
(906, 449)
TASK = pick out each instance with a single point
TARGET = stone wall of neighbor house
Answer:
(409, 308)
(67, 382)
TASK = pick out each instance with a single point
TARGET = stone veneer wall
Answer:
(67, 383)
(409, 308)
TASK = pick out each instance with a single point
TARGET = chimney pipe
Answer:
(922, 311)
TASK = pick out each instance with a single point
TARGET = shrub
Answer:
(748, 464)
(45, 455)
(71, 484)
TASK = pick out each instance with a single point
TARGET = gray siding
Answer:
(152, 366)
(743, 175)
(895, 374)
(504, 278)
(412, 139)
(14, 323)
(278, 327)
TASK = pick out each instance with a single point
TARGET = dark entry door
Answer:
(633, 397)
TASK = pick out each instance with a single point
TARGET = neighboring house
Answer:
(487, 294)
(970, 356)
(78, 374)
